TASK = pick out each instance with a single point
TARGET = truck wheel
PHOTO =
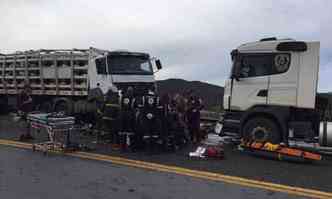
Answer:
(80, 107)
(261, 129)
(3, 105)
(61, 106)
(45, 107)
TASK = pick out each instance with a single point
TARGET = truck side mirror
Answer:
(158, 64)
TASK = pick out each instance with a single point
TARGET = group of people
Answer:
(127, 114)
(143, 114)
(186, 107)
(148, 114)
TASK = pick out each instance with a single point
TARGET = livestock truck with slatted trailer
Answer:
(58, 78)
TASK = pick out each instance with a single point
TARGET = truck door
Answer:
(102, 76)
(251, 87)
(284, 79)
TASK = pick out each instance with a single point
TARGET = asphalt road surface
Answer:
(313, 176)
(28, 175)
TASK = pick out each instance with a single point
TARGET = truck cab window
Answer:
(101, 66)
(119, 64)
(255, 65)
(145, 66)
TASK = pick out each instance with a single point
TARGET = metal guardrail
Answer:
(210, 115)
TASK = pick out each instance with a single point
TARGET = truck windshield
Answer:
(120, 64)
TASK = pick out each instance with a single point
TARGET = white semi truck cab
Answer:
(123, 69)
(271, 93)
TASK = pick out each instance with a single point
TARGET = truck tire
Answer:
(3, 105)
(261, 129)
(63, 106)
(60, 106)
(45, 107)
(80, 107)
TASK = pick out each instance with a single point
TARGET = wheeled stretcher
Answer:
(279, 152)
(57, 126)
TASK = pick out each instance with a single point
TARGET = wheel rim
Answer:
(260, 134)
(45, 107)
(61, 107)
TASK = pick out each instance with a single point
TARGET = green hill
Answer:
(212, 95)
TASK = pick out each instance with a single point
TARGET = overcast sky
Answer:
(192, 38)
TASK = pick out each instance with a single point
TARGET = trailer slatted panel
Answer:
(49, 72)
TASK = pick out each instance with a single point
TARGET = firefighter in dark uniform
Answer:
(111, 113)
(127, 118)
(96, 98)
(150, 120)
(165, 101)
(194, 106)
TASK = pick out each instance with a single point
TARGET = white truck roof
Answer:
(268, 45)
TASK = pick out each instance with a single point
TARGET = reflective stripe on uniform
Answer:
(112, 105)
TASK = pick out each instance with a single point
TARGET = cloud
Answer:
(325, 74)
(192, 38)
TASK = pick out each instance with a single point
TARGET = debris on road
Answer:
(211, 147)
